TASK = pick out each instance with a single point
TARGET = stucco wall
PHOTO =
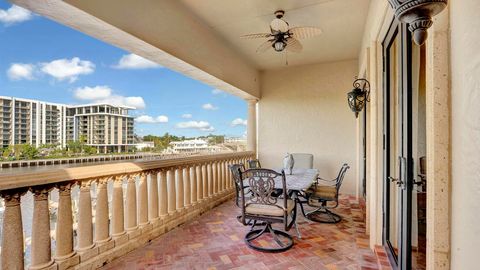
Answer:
(304, 109)
(465, 64)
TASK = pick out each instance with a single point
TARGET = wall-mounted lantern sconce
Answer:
(359, 96)
(418, 14)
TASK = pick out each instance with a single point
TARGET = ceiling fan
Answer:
(283, 37)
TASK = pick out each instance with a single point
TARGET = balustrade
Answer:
(157, 193)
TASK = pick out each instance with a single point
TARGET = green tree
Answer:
(28, 151)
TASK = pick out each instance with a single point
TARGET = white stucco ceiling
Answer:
(342, 23)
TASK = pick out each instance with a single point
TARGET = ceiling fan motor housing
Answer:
(279, 14)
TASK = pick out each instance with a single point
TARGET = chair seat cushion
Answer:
(323, 192)
(269, 209)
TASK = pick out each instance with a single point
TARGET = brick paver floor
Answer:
(215, 241)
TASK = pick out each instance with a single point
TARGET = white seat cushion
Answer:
(269, 210)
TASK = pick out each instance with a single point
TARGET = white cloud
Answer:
(209, 107)
(238, 122)
(147, 119)
(187, 116)
(104, 94)
(216, 91)
(67, 69)
(133, 61)
(200, 125)
(93, 93)
(19, 71)
(14, 14)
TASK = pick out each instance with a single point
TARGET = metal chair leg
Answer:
(276, 234)
(324, 215)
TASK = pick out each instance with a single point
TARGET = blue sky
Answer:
(41, 59)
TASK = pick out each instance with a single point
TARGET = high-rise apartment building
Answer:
(23, 121)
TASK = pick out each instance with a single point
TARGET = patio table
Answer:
(300, 179)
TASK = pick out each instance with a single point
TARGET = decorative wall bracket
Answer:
(418, 14)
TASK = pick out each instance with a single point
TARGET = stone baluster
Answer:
(153, 197)
(210, 179)
(186, 186)
(179, 184)
(131, 204)
(222, 177)
(41, 255)
(102, 232)
(198, 173)
(230, 176)
(171, 191)
(163, 194)
(205, 181)
(64, 227)
(142, 200)
(193, 184)
(85, 227)
(118, 227)
(217, 177)
(225, 175)
(12, 230)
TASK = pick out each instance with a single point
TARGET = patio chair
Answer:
(268, 209)
(302, 161)
(320, 194)
(236, 170)
(254, 164)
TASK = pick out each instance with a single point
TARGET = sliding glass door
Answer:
(397, 142)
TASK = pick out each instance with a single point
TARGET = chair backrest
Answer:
(341, 176)
(302, 161)
(254, 164)
(236, 170)
(262, 186)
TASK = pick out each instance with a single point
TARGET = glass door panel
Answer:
(394, 126)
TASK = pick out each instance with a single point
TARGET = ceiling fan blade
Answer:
(258, 35)
(305, 32)
(293, 45)
(264, 46)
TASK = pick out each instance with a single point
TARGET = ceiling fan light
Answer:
(279, 46)
(279, 25)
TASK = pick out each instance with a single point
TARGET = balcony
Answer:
(159, 196)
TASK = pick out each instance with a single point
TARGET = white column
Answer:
(252, 125)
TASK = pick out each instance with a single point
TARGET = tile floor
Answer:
(215, 241)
